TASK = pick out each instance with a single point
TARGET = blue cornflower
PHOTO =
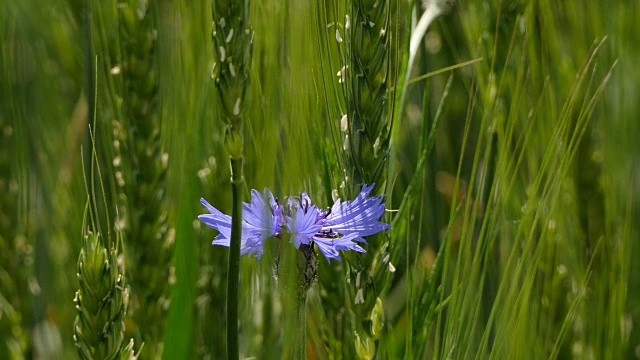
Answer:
(330, 231)
(359, 217)
(305, 227)
(303, 222)
(260, 221)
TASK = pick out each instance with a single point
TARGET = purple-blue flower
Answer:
(303, 222)
(359, 216)
(260, 221)
(330, 231)
(305, 227)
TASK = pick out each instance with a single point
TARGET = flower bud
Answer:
(366, 349)
(377, 319)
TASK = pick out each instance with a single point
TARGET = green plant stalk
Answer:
(234, 258)
(368, 80)
(231, 40)
(296, 274)
(267, 324)
(299, 350)
(143, 173)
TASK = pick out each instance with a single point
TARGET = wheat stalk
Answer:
(231, 38)
(141, 172)
(367, 79)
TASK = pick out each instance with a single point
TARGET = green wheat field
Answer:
(503, 135)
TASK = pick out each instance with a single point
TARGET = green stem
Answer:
(295, 276)
(234, 259)
(299, 349)
(297, 332)
(268, 334)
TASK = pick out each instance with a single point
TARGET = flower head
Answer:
(302, 224)
(259, 222)
(359, 217)
(330, 231)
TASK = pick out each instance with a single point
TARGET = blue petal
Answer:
(346, 243)
(359, 216)
(302, 226)
(327, 248)
(260, 221)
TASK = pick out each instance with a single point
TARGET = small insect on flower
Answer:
(338, 228)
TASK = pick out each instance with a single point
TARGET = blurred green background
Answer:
(534, 174)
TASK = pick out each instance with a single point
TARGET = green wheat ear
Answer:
(141, 173)
(103, 295)
(231, 37)
(101, 301)
(366, 79)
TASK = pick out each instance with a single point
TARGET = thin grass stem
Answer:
(237, 185)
